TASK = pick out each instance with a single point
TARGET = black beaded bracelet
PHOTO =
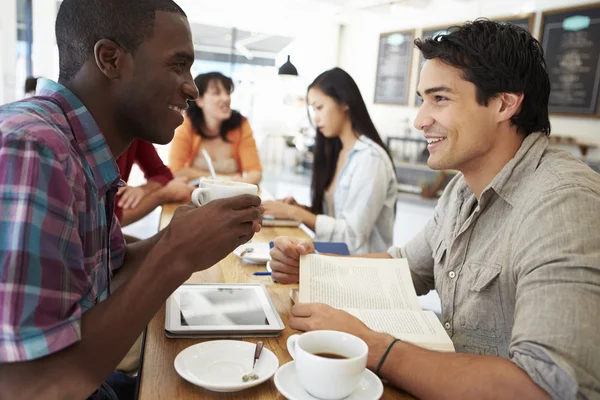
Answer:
(387, 351)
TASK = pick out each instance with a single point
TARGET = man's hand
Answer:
(130, 197)
(285, 258)
(317, 316)
(199, 237)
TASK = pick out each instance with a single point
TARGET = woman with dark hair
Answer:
(354, 181)
(225, 134)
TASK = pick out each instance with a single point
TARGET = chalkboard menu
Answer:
(393, 67)
(524, 22)
(571, 42)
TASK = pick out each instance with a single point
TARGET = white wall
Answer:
(359, 46)
(313, 27)
(8, 65)
(44, 53)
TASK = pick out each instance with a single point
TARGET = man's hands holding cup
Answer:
(285, 258)
(199, 237)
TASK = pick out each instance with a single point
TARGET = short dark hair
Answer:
(196, 114)
(498, 58)
(80, 24)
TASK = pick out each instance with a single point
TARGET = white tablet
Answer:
(221, 310)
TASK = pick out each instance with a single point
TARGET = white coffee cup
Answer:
(210, 189)
(328, 378)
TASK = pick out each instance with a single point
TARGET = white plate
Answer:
(258, 254)
(219, 365)
(287, 382)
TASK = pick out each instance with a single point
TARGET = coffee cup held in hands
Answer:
(210, 189)
(329, 364)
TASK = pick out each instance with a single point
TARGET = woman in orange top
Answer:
(210, 123)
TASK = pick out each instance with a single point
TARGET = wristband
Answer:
(385, 354)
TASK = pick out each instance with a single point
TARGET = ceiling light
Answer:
(288, 68)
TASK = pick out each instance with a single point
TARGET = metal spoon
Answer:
(247, 251)
(251, 376)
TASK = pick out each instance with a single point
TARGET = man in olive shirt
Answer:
(514, 246)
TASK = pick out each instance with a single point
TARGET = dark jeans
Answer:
(123, 385)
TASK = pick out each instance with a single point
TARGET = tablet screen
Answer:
(205, 306)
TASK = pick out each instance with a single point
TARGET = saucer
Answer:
(253, 253)
(219, 365)
(287, 382)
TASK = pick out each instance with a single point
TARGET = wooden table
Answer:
(158, 379)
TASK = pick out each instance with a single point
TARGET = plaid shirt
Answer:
(57, 247)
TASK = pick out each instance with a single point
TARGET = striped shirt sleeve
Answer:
(41, 278)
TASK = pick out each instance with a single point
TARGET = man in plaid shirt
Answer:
(73, 296)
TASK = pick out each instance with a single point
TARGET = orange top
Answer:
(186, 144)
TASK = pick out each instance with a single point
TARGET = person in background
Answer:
(30, 86)
(135, 202)
(513, 248)
(353, 180)
(225, 134)
(74, 296)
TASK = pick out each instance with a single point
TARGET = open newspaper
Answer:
(379, 292)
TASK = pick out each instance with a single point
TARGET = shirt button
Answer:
(452, 274)
(447, 325)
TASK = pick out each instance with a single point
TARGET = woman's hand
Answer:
(178, 190)
(290, 200)
(192, 173)
(130, 197)
(279, 209)
(252, 177)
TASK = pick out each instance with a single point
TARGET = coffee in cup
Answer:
(329, 364)
(331, 355)
(211, 189)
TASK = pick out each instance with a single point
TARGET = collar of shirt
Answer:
(86, 133)
(509, 180)
(361, 144)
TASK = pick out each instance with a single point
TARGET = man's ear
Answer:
(510, 104)
(111, 58)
